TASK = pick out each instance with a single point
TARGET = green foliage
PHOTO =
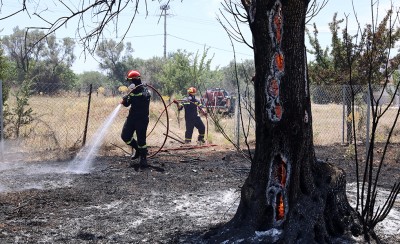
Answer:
(111, 58)
(21, 114)
(50, 79)
(45, 61)
(95, 78)
(361, 62)
(3, 74)
(238, 74)
(200, 69)
(175, 76)
(23, 49)
(182, 70)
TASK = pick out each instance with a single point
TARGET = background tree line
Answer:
(45, 63)
(33, 62)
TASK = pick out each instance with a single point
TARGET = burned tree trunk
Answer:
(287, 189)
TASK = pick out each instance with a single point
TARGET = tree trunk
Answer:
(287, 188)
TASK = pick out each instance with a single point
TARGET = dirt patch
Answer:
(183, 195)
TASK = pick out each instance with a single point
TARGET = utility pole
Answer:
(164, 9)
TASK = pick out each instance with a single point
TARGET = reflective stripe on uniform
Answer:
(135, 95)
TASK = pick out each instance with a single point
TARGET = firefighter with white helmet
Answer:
(138, 117)
(192, 106)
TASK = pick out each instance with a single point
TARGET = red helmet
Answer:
(132, 74)
(192, 90)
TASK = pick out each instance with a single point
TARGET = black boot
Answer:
(136, 148)
(200, 140)
(143, 162)
(135, 155)
(143, 158)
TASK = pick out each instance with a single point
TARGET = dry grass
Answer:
(60, 122)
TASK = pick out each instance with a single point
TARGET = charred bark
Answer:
(287, 189)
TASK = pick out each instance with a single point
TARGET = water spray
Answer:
(83, 161)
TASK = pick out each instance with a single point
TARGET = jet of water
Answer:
(83, 161)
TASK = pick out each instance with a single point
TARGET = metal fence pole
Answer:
(237, 129)
(87, 116)
(368, 121)
(1, 123)
(343, 112)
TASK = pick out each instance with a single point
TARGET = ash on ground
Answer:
(177, 200)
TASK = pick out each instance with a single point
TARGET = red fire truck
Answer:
(218, 100)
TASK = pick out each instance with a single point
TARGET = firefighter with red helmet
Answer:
(192, 106)
(138, 118)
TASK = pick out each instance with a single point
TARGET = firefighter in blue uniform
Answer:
(138, 117)
(192, 106)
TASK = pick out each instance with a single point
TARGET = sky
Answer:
(191, 25)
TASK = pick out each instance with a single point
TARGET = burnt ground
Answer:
(183, 195)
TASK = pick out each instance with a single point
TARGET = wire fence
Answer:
(62, 118)
(333, 117)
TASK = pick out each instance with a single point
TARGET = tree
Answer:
(287, 187)
(24, 48)
(242, 72)
(183, 69)
(377, 44)
(53, 71)
(4, 66)
(148, 68)
(110, 54)
(334, 67)
(94, 78)
(175, 76)
(21, 114)
(200, 69)
(42, 59)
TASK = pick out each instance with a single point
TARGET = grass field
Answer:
(59, 125)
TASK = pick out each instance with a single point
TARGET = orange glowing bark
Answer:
(279, 60)
(281, 208)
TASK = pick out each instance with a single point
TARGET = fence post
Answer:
(1, 123)
(343, 112)
(237, 129)
(87, 116)
(368, 121)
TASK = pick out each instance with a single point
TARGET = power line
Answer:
(204, 44)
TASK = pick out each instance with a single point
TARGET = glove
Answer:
(176, 102)
(124, 100)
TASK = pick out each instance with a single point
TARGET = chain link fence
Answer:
(62, 118)
(333, 114)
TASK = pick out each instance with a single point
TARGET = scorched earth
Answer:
(180, 198)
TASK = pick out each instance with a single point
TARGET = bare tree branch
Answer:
(314, 9)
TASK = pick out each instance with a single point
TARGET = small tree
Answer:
(21, 114)
(373, 51)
